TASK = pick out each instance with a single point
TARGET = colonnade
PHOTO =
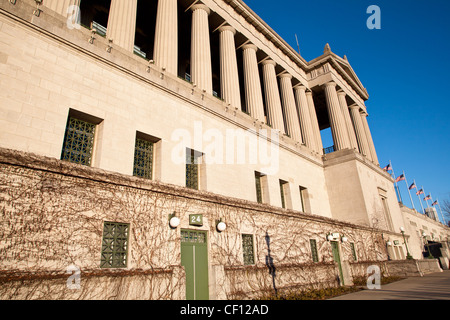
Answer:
(289, 109)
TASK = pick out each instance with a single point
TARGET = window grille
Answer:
(193, 236)
(352, 247)
(283, 200)
(78, 141)
(258, 187)
(114, 245)
(192, 169)
(143, 159)
(315, 255)
(247, 248)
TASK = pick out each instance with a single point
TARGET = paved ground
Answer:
(434, 286)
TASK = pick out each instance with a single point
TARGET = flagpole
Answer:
(423, 210)
(425, 197)
(443, 218)
(407, 186)
(399, 196)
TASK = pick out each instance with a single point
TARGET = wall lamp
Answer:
(221, 226)
(174, 221)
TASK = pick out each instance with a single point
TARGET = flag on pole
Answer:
(412, 186)
(400, 178)
(388, 167)
(419, 192)
(434, 203)
(428, 197)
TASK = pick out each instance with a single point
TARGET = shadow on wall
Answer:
(269, 263)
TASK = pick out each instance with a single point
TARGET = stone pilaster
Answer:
(360, 132)
(348, 121)
(61, 6)
(314, 123)
(165, 52)
(229, 78)
(290, 109)
(305, 117)
(201, 72)
(338, 129)
(252, 83)
(273, 102)
(369, 137)
(122, 23)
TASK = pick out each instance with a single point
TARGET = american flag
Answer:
(428, 197)
(387, 168)
(400, 178)
(412, 186)
(419, 192)
(434, 203)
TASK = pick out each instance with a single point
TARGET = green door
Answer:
(194, 259)
(337, 258)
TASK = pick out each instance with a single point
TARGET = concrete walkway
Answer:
(433, 286)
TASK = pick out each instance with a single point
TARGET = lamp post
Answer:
(408, 256)
(424, 235)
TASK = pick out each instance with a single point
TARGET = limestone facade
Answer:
(217, 80)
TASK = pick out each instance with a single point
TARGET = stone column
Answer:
(314, 123)
(165, 51)
(273, 102)
(338, 129)
(360, 132)
(229, 78)
(252, 83)
(369, 137)
(348, 121)
(305, 117)
(290, 109)
(201, 72)
(122, 23)
(61, 6)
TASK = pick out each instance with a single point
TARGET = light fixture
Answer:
(388, 243)
(424, 234)
(174, 221)
(402, 229)
(344, 239)
(221, 226)
(330, 237)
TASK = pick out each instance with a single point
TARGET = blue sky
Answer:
(405, 67)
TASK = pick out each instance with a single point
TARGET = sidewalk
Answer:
(433, 286)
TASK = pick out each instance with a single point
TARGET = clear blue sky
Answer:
(405, 67)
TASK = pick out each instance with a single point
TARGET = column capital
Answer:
(285, 75)
(268, 61)
(300, 87)
(330, 84)
(341, 92)
(200, 6)
(227, 28)
(249, 46)
(354, 106)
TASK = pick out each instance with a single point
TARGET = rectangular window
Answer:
(193, 159)
(259, 188)
(114, 245)
(78, 143)
(283, 185)
(303, 193)
(143, 158)
(352, 247)
(247, 248)
(314, 254)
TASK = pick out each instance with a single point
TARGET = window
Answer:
(79, 138)
(304, 199)
(315, 255)
(283, 187)
(352, 248)
(144, 151)
(385, 206)
(193, 159)
(259, 185)
(247, 248)
(114, 245)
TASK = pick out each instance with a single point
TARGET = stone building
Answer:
(171, 149)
